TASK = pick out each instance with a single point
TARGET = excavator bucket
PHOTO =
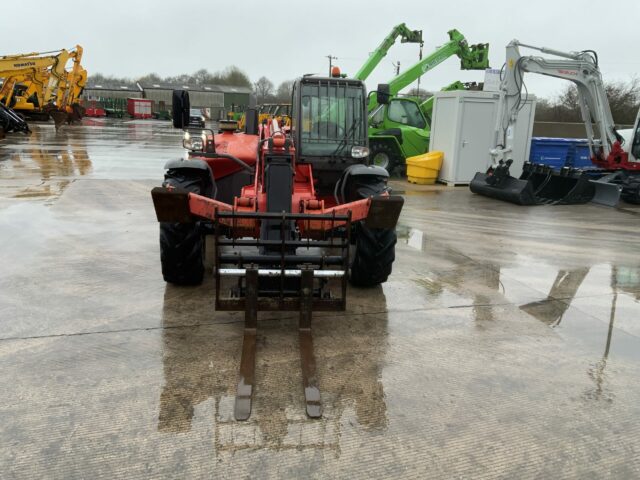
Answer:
(566, 186)
(541, 185)
(508, 189)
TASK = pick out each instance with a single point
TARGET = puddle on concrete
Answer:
(201, 365)
(413, 237)
(148, 371)
(421, 193)
(43, 164)
(594, 305)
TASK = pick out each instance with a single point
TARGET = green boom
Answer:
(401, 128)
(401, 30)
(472, 57)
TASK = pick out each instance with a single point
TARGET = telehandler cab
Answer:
(295, 211)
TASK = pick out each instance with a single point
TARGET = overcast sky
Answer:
(285, 39)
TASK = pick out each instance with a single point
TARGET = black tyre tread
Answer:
(181, 253)
(374, 256)
(631, 191)
(181, 244)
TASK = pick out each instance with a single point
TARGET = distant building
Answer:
(101, 92)
(215, 100)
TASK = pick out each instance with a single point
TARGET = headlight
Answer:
(359, 152)
(192, 143)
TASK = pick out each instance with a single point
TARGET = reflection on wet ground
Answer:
(200, 365)
(598, 289)
(44, 163)
(505, 344)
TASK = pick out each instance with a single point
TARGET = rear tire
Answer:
(181, 244)
(384, 156)
(374, 256)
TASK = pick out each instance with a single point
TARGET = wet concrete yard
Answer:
(505, 345)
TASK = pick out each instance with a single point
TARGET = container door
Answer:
(443, 133)
(476, 135)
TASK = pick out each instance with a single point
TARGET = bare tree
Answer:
(202, 77)
(283, 93)
(419, 93)
(263, 89)
(234, 76)
(229, 76)
(99, 79)
(150, 78)
(624, 100)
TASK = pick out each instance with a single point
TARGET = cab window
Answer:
(377, 116)
(406, 113)
(635, 147)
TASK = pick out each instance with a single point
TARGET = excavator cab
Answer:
(635, 142)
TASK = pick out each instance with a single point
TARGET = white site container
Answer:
(463, 126)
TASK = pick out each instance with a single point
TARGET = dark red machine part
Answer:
(617, 159)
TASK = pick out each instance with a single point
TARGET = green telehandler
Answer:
(398, 127)
(406, 36)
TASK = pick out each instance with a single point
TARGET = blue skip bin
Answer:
(582, 155)
(560, 152)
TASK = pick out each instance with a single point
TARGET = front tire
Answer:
(181, 244)
(374, 256)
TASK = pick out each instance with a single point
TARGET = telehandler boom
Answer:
(472, 57)
(406, 36)
(398, 127)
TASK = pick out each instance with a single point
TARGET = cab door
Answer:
(405, 114)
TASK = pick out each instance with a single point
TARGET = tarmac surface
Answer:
(506, 344)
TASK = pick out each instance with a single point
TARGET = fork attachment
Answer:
(285, 274)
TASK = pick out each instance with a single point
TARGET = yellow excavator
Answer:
(268, 111)
(39, 86)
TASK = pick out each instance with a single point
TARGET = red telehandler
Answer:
(295, 211)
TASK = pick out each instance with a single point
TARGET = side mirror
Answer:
(383, 93)
(180, 108)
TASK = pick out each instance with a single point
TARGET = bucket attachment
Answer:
(541, 185)
(10, 121)
(509, 189)
(499, 184)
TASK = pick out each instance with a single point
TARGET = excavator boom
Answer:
(540, 184)
(39, 83)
